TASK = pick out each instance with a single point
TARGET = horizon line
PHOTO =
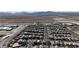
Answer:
(35, 11)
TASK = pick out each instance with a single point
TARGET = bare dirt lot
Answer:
(29, 19)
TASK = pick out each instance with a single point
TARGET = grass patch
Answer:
(5, 32)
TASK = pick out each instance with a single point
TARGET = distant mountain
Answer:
(48, 13)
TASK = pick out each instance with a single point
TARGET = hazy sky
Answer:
(39, 5)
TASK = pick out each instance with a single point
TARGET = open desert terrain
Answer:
(30, 19)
